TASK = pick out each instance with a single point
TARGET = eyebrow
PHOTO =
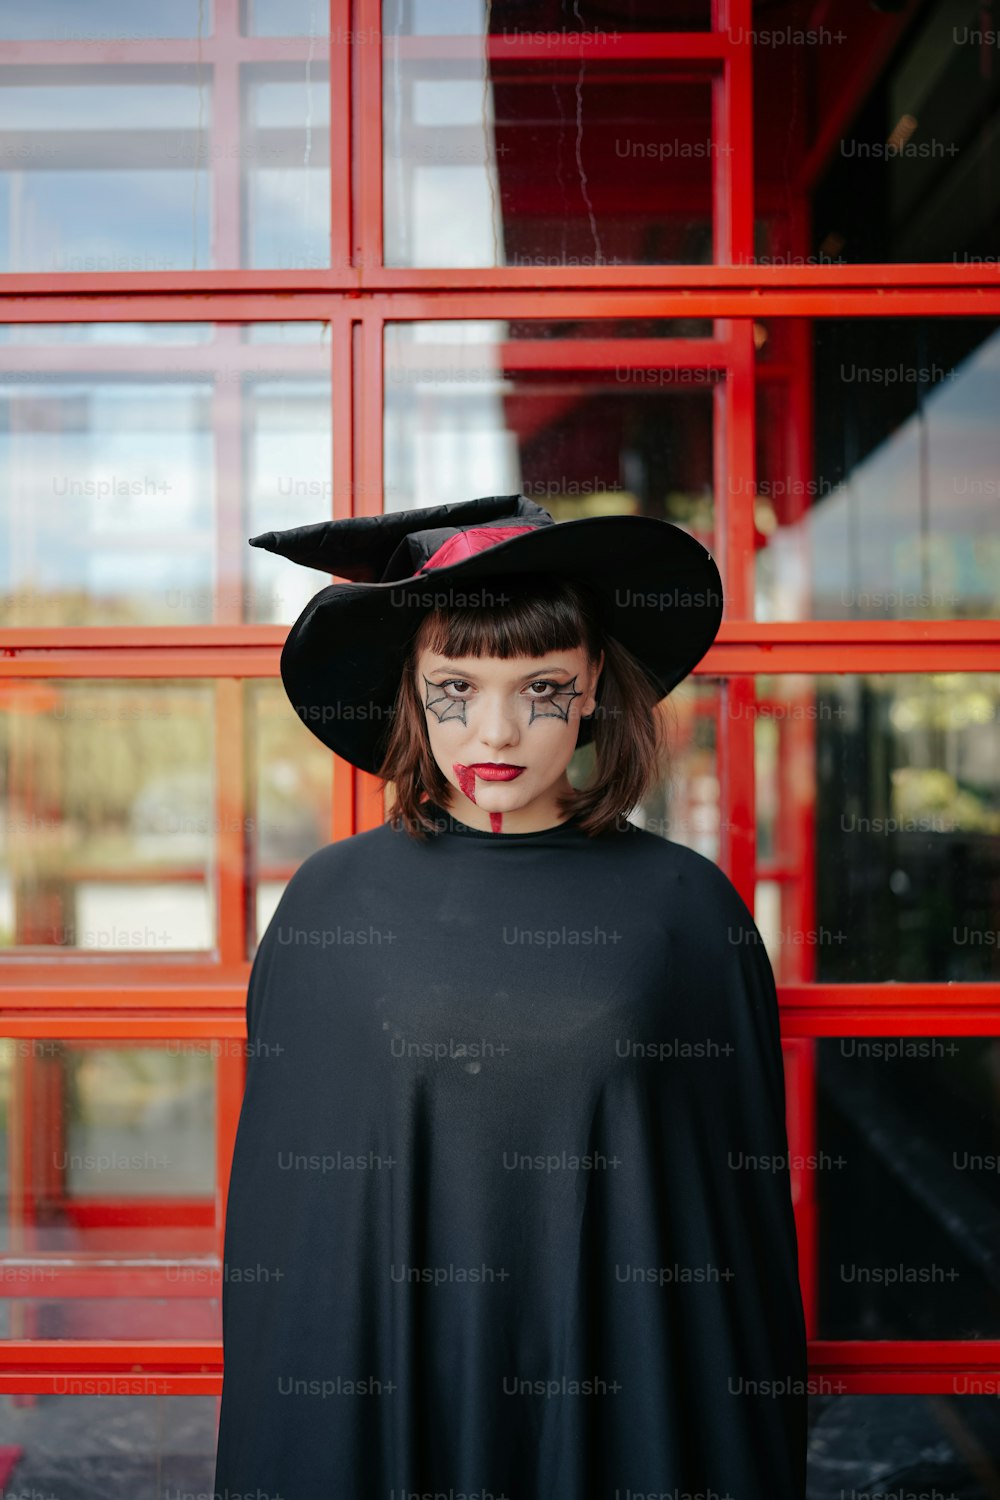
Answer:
(448, 665)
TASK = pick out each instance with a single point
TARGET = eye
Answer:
(458, 688)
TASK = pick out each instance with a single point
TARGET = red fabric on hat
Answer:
(467, 543)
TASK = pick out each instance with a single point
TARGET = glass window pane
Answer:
(116, 1095)
(923, 149)
(31, 338)
(287, 17)
(47, 1314)
(684, 806)
(108, 1152)
(898, 164)
(878, 463)
(292, 785)
(54, 20)
(628, 146)
(584, 17)
(82, 1444)
(906, 1187)
(139, 166)
(611, 328)
(878, 815)
(85, 189)
(907, 1447)
(286, 166)
(490, 408)
(133, 470)
(109, 835)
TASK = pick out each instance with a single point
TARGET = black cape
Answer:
(509, 1211)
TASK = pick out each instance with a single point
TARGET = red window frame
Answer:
(143, 998)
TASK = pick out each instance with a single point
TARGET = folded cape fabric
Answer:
(509, 1211)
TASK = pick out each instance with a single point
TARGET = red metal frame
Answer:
(85, 997)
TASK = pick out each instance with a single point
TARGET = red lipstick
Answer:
(492, 771)
(466, 776)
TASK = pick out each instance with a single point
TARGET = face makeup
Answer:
(466, 778)
(540, 701)
(486, 771)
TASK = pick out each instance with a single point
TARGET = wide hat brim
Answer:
(659, 589)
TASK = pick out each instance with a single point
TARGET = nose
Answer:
(498, 723)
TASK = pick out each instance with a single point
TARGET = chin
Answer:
(510, 794)
(510, 791)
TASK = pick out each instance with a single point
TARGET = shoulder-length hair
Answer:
(528, 615)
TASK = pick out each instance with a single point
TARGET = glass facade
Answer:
(269, 263)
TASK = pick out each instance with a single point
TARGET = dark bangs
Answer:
(525, 616)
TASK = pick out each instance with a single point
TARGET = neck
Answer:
(544, 812)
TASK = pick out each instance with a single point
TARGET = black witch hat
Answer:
(658, 589)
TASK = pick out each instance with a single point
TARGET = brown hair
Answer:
(529, 615)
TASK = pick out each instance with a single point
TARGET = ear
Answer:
(593, 692)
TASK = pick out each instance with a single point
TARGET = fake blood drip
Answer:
(466, 778)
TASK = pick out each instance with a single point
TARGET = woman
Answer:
(509, 1211)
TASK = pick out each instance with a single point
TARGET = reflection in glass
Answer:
(684, 807)
(286, 167)
(35, 336)
(116, 1315)
(287, 17)
(133, 470)
(288, 445)
(114, 1097)
(115, 1447)
(472, 409)
(109, 830)
(585, 19)
(878, 500)
(126, 166)
(934, 1446)
(108, 1149)
(879, 825)
(604, 329)
(913, 176)
(108, 1186)
(898, 164)
(85, 190)
(908, 1130)
(291, 788)
(628, 148)
(54, 20)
